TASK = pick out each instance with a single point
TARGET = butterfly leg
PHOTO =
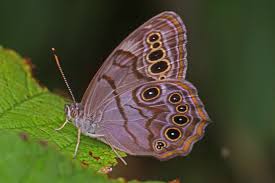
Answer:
(62, 126)
(78, 142)
(93, 135)
(115, 151)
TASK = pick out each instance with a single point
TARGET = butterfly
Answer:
(139, 101)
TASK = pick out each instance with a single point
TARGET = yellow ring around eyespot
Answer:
(187, 108)
(173, 120)
(174, 129)
(142, 94)
(169, 98)
(154, 61)
(155, 143)
(152, 33)
(160, 73)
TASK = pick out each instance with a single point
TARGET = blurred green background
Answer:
(231, 53)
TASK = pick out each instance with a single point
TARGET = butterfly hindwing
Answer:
(161, 119)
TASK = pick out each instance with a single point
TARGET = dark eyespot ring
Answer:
(182, 108)
(159, 145)
(180, 120)
(153, 37)
(159, 68)
(172, 134)
(162, 77)
(150, 93)
(175, 98)
(156, 45)
(156, 55)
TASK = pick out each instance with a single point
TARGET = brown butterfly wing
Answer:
(140, 58)
(140, 124)
(152, 57)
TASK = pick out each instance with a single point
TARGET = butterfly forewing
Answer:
(155, 51)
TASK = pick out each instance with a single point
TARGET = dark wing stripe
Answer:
(139, 111)
(120, 108)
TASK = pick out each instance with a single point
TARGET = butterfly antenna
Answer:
(62, 73)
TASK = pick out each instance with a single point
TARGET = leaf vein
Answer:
(21, 102)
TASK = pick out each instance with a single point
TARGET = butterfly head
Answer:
(73, 111)
(75, 114)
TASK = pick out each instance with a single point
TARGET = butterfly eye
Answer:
(180, 120)
(156, 55)
(182, 108)
(175, 98)
(159, 145)
(74, 113)
(150, 93)
(153, 37)
(172, 134)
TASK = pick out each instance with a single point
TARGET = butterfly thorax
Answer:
(75, 113)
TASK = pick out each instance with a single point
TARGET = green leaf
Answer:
(135, 181)
(27, 162)
(32, 110)
(26, 106)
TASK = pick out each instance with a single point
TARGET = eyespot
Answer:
(180, 120)
(156, 45)
(150, 93)
(159, 67)
(172, 134)
(153, 37)
(162, 77)
(175, 98)
(182, 108)
(159, 145)
(156, 55)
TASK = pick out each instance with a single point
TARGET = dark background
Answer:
(231, 55)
